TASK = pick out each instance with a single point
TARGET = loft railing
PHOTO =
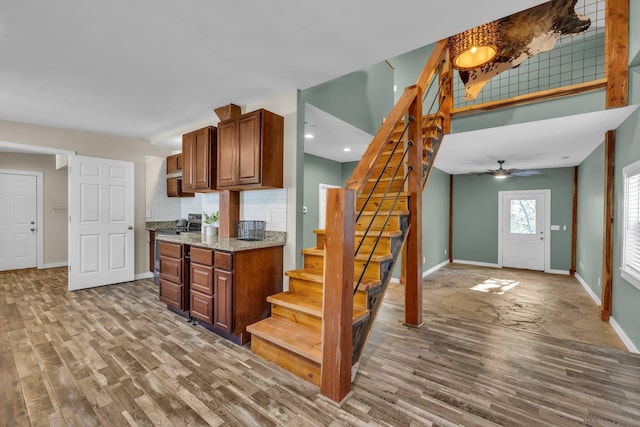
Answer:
(341, 220)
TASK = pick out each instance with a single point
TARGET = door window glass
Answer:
(522, 219)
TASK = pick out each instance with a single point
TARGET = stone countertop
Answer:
(227, 244)
(154, 225)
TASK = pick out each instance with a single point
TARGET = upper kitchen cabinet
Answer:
(250, 151)
(199, 160)
(174, 177)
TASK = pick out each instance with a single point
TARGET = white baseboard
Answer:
(586, 287)
(479, 264)
(145, 275)
(425, 273)
(563, 272)
(623, 336)
(434, 268)
(54, 265)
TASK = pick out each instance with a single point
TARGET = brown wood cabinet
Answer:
(250, 151)
(174, 163)
(229, 290)
(174, 276)
(199, 160)
(152, 250)
(174, 177)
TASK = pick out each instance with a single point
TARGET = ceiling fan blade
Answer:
(525, 172)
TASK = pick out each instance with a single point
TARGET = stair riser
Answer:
(316, 262)
(378, 223)
(301, 366)
(313, 288)
(382, 187)
(383, 247)
(296, 316)
(386, 204)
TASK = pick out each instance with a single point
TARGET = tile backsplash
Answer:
(159, 207)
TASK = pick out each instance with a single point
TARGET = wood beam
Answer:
(607, 240)
(413, 260)
(229, 212)
(446, 93)
(530, 98)
(617, 52)
(450, 218)
(337, 329)
(574, 222)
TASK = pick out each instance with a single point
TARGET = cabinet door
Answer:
(152, 251)
(227, 142)
(201, 306)
(187, 162)
(202, 278)
(249, 148)
(171, 269)
(223, 300)
(172, 164)
(200, 159)
(172, 187)
(171, 294)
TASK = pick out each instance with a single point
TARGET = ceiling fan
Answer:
(502, 173)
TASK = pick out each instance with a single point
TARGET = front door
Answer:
(523, 225)
(18, 228)
(101, 218)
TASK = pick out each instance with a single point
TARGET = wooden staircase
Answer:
(297, 336)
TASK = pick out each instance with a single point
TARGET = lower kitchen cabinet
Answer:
(229, 290)
(174, 276)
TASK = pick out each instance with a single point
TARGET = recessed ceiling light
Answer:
(308, 135)
(347, 149)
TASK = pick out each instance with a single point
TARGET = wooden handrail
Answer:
(362, 172)
(432, 65)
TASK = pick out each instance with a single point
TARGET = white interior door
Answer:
(18, 228)
(523, 226)
(101, 218)
(323, 203)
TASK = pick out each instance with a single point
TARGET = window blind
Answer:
(631, 239)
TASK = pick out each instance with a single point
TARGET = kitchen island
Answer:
(221, 283)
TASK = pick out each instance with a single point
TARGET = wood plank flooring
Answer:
(115, 356)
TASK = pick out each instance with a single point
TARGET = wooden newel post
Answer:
(413, 260)
(337, 344)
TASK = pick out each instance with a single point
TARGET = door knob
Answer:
(33, 229)
(33, 222)
(130, 227)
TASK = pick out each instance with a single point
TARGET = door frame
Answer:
(322, 203)
(35, 149)
(547, 223)
(39, 211)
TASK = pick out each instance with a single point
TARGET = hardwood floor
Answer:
(116, 356)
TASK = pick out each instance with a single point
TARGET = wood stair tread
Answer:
(364, 257)
(291, 336)
(385, 213)
(309, 304)
(318, 277)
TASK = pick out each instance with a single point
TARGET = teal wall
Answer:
(435, 220)
(347, 170)
(590, 219)
(408, 67)
(361, 98)
(475, 214)
(316, 171)
(626, 298)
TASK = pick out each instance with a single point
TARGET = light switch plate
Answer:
(555, 228)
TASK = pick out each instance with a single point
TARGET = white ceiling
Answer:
(559, 142)
(332, 135)
(148, 68)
